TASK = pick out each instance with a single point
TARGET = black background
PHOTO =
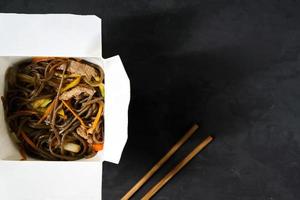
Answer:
(232, 66)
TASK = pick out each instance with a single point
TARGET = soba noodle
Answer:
(54, 107)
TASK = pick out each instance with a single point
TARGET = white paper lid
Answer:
(50, 35)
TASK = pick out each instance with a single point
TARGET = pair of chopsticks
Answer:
(174, 171)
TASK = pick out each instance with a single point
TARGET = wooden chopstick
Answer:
(177, 168)
(157, 166)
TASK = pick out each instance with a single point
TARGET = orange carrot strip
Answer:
(47, 112)
(75, 115)
(22, 153)
(25, 112)
(97, 147)
(28, 140)
(41, 59)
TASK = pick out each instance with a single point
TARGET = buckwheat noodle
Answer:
(54, 107)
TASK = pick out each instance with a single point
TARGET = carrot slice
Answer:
(41, 59)
(47, 112)
(25, 112)
(97, 147)
(75, 115)
(28, 140)
(22, 153)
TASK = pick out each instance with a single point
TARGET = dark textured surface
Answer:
(231, 65)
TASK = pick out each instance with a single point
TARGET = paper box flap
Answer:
(117, 97)
(70, 35)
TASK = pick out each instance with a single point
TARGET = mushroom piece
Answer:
(72, 147)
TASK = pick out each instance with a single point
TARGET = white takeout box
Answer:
(63, 35)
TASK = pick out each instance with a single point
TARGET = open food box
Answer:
(60, 35)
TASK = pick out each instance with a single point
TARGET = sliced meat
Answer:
(80, 69)
(76, 91)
